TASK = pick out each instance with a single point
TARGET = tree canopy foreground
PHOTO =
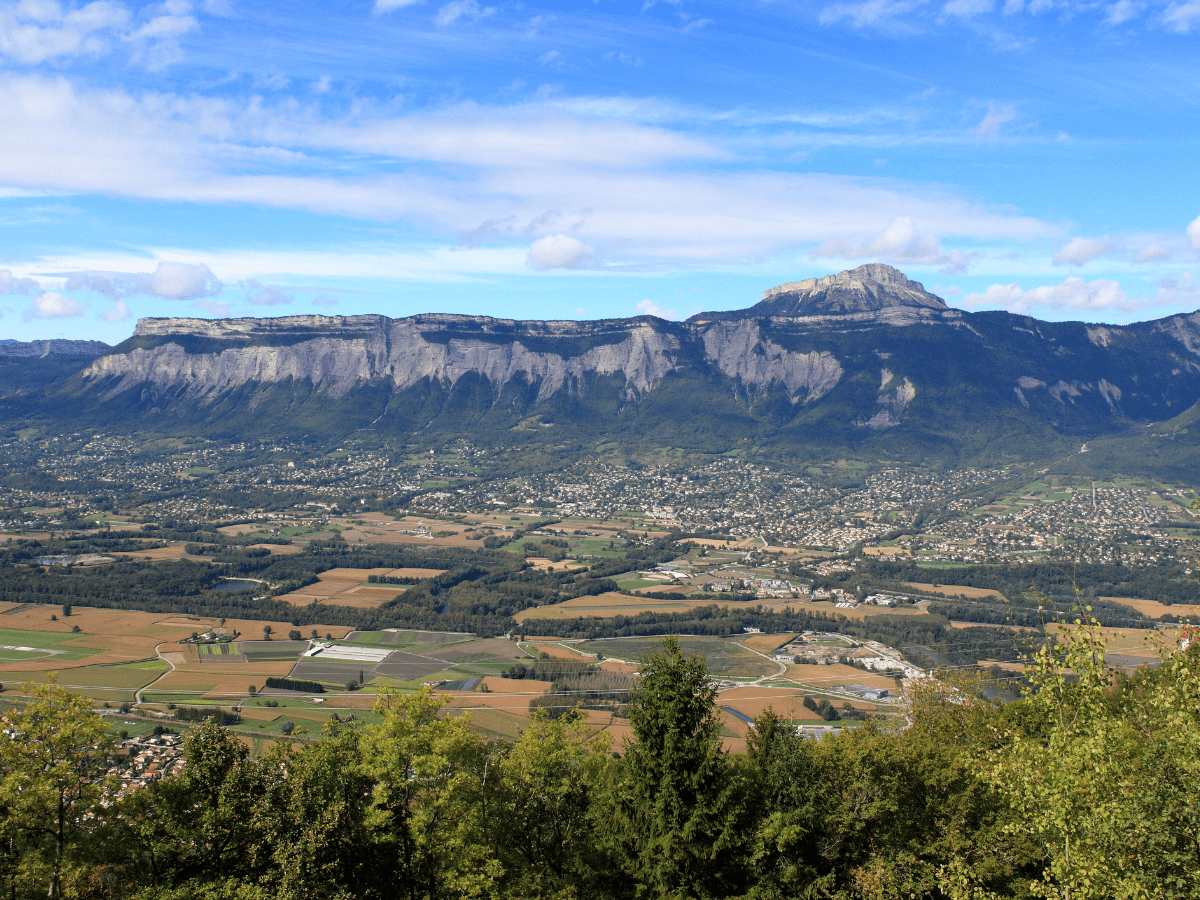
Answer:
(1082, 789)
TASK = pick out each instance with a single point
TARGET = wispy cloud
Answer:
(1182, 17)
(869, 13)
(1082, 250)
(1072, 296)
(267, 294)
(634, 192)
(466, 10)
(387, 6)
(169, 281)
(996, 117)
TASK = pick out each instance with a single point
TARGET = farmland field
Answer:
(837, 675)
(1154, 609)
(952, 590)
(350, 587)
(406, 638)
(722, 656)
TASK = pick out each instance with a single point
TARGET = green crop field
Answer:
(42, 640)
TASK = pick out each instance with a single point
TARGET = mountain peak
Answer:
(868, 288)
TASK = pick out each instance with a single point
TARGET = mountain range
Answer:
(865, 363)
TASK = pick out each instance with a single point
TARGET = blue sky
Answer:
(590, 159)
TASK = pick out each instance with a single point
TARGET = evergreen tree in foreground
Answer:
(674, 811)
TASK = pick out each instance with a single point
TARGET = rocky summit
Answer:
(864, 362)
(868, 288)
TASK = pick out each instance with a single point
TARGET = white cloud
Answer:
(551, 59)
(11, 284)
(650, 308)
(34, 32)
(39, 31)
(387, 6)
(1081, 250)
(52, 305)
(1152, 253)
(106, 283)
(1182, 17)
(1193, 233)
(899, 242)
(1072, 294)
(640, 192)
(580, 311)
(119, 312)
(989, 127)
(179, 281)
(176, 21)
(157, 42)
(169, 280)
(461, 9)
(558, 251)
(1122, 11)
(1182, 291)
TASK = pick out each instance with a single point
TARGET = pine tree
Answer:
(674, 813)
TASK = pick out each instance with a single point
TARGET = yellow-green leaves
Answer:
(1103, 788)
(52, 777)
(425, 804)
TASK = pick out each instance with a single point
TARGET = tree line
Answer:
(1077, 790)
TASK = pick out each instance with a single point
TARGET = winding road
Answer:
(782, 666)
(138, 694)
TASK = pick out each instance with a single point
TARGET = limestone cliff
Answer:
(740, 351)
(337, 353)
(818, 343)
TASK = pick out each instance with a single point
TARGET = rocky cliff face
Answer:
(805, 362)
(338, 353)
(741, 352)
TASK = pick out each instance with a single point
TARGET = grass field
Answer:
(1154, 609)
(765, 643)
(722, 656)
(951, 590)
(350, 587)
(753, 701)
(609, 604)
(827, 677)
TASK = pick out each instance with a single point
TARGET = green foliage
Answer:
(296, 684)
(673, 812)
(542, 822)
(51, 784)
(1080, 789)
(425, 812)
(1100, 785)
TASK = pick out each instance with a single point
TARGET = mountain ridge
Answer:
(871, 363)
